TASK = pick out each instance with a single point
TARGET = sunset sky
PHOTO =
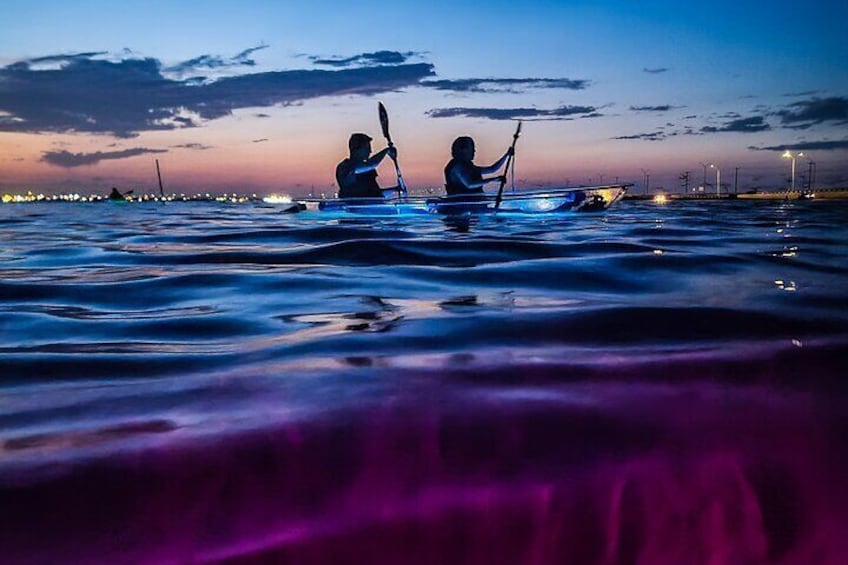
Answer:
(260, 96)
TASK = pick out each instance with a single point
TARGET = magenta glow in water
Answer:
(214, 383)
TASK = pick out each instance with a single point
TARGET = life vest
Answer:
(356, 185)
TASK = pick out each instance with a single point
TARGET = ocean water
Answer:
(226, 383)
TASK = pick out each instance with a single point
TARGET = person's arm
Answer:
(458, 175)
(495, 167)
(375, 160)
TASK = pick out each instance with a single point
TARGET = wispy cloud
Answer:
(124, 97)
(740, 125)
(652, 136)
(825, 145)
(68, 160)
(193, 146)
(373, 58)
(805, 93)
(530, 114)
(262, 140)
(505, 84)
(816, 111)
(656, 70)
(660, 108)
(210, 62)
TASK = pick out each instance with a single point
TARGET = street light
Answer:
(718, 178)
(789, 155)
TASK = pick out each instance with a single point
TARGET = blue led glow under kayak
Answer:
(549, 201)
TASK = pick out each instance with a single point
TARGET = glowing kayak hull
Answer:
(549, 201)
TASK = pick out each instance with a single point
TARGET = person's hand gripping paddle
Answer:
(384, 123)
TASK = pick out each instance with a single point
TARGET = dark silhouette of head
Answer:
(463, 148)
(359, 145)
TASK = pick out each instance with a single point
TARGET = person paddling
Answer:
(356, 176)
(116, 195)
(462, 176)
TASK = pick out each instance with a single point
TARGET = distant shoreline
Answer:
(823, 194)
(234, 198)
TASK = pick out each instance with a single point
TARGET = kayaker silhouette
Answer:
(357, 175)
(115, 194)
(462, 176)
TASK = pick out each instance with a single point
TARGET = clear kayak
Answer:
(547, 201)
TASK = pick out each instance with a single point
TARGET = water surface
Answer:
(211, 382)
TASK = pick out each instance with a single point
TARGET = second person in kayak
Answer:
(357, 175)
(462, 176)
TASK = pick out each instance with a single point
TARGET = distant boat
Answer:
(116, 196)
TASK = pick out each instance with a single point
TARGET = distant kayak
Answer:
(548, 201)
(117, 196)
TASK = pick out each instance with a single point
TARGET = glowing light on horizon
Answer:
(277, 199)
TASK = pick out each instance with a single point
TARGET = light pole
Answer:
(718, 178)
(789, 155)
(647, 175)
(811, 175)
(811, 170)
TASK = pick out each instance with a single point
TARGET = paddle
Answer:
(506, 169)
(384, 123)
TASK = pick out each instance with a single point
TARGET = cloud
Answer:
(816, 111)
(374, 58)
(214, 62)
(740, 125)
(661, 108)
(68, 160)
(128, 96)
(505, 84)
(263, 140)
(655, 71)
(826, 145)
(805, 93)
(652, 136)
(529, 114)
(58, 61)
(194, 146)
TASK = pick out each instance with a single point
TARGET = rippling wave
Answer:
(208, 382)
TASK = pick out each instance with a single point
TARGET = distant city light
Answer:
(277, 199)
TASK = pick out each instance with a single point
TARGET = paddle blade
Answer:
(384, 121)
